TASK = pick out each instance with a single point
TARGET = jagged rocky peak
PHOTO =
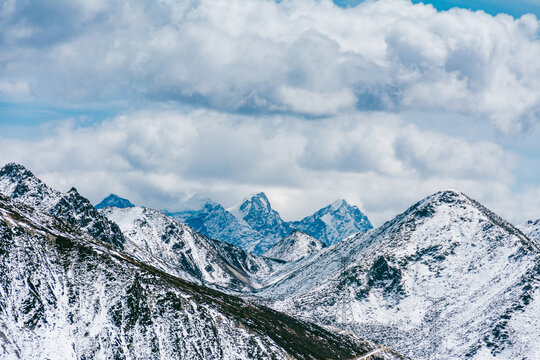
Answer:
(295, 246)
(253, 203)
(15, 171)
(334, 222)
(114, 200)
(20, 184)
(258, 213)
(217, 223)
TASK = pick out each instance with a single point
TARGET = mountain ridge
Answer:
(68, 294)
(295, 246)
(23, 186)
(446, 268)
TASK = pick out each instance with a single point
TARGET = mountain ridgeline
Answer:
(255, 227)
(69, 291)
(445, 279)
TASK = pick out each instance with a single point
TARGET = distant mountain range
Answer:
(446, 279)
(255, 227)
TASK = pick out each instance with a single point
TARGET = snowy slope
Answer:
(183, 250)
(21, 185)
(67, 295)
(295, 246)
(114, 200)
(334, 222)
(531, 228)
(447, 279)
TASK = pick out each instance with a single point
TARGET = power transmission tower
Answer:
(345, 314)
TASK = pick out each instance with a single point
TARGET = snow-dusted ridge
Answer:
(295, 246)
(20, 184)
(185, 251)
(66, 294)
(447, 279)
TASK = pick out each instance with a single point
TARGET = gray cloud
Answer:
(309, 58)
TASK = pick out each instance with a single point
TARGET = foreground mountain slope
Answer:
(295, 246)
(20, 184)
(447, 279)
(114, 200)
(183, 250)
(334, 222)
(66, 295)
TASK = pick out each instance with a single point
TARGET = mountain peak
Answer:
(337, 204)
(14, 170)
(334, 222)
(259, 199)
(257, 212)
(114, 200)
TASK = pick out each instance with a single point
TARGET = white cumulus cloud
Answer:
(261, 56)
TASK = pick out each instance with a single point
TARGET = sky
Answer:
(378, 102)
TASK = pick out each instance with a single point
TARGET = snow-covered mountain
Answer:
(21, 185)
(295, 246)
(531, 228)
(255, 227)
(217, 223)
(66, 295)
(447, 279)
(114, 200)
(257, 212)
(334, 222)
(189, 254)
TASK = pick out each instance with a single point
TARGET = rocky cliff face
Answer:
(21, 185)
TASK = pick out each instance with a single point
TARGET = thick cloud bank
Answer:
(375, 160)
(305, 57)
